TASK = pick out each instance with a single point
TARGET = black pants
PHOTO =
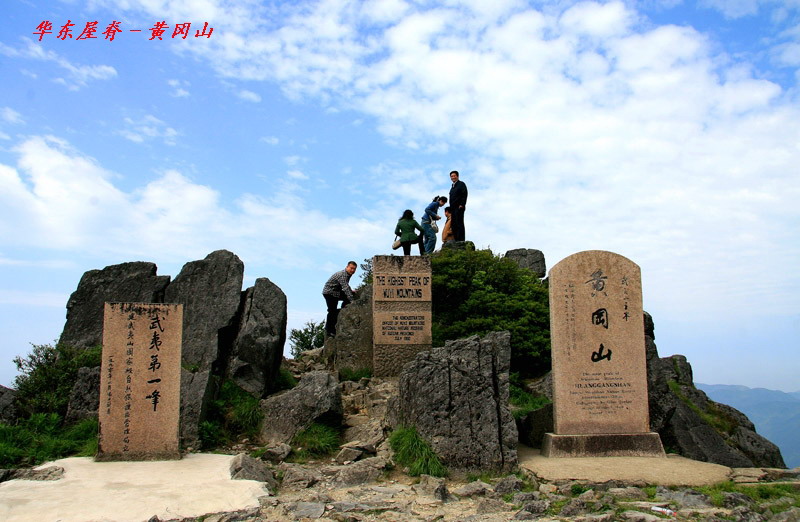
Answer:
(457, 224)
(333, 312)
(407, 245)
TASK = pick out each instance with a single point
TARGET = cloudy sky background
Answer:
(295, 136)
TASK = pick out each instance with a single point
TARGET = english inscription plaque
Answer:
(140, 381)
(403, 327)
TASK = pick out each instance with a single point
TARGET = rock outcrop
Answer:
(135, 282)
(316, 397)
(258, 349)
(227, 333)
(210, 292)
(84, 400)
(8, 412)
(457, 398)
(352, 347)
(529, 258)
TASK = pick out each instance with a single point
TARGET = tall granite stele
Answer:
(401, 311)
(140, 381)
(600, 405)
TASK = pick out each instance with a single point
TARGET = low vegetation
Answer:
(712, 415)
(317, 441)
(233, 415)
(522, 401)
(42, 437)
(413, 452)
(476, 292)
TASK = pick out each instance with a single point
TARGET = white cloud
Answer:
(9, 115)
(147, 128)
(178, 88)
(270, 140)
(249, 96)
(296, 174)
(58, 197)
(78, 76)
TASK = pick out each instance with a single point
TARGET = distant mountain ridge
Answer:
(776, 414)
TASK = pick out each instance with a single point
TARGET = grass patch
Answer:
(760, 493)
(413, 451)
(318, 440)
(234, 414)
(713, 416)
(286, 380)
(522, 401)
(42, 437)
(351, 374)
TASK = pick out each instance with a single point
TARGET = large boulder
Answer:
(352, 347)
(695, 426)
(135, 282)
(258, 349)
(529, 258)
(210, 292)
(457, 398)
(316, 397)
(8, 412)
(84, 400)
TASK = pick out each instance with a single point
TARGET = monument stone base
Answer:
(606, 445)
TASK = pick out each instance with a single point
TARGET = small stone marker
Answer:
(600, 404)
(401, 306)
(140, 380)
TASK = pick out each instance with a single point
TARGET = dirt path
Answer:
(672, 470)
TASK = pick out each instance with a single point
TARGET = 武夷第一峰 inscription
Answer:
(140, 378)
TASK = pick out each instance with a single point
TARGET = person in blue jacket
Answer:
(431, 215)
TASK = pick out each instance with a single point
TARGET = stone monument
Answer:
(401, 306)
(140, 380)
(600, 404)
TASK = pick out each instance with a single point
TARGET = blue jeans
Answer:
(429, 243)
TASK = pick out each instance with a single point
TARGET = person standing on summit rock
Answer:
(458, 204)
(336, 289)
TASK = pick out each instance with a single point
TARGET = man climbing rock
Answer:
(336, 289)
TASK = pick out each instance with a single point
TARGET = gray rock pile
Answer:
(226, 332)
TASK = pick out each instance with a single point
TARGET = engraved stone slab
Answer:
(598, 350)
(401, 311)
(401, 287)
(140, 380)
(403, 328)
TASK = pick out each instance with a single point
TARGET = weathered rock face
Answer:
(258, 348)
(8, 413)
(457, 398)
(529, 258)
(352, 346)
(317, 396)
(210, 292)
(84, 400)
(135, 282)
(673, 400)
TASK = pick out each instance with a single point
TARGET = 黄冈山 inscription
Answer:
(402, 328)
(401, 287)
(140, 381)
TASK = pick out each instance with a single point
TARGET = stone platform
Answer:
(608, 445)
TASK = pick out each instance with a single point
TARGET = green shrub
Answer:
(42, 437)
(415, 453)
(310, 337)
(211, 434)
(476, 292)
(47, 376)
(318, 440)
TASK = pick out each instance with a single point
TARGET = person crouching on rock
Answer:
(405, 228)
(336, 289)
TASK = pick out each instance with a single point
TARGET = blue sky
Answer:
(296, 134)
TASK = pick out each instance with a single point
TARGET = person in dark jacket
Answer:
(458, 204)
(336, 289)
(406, 229)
